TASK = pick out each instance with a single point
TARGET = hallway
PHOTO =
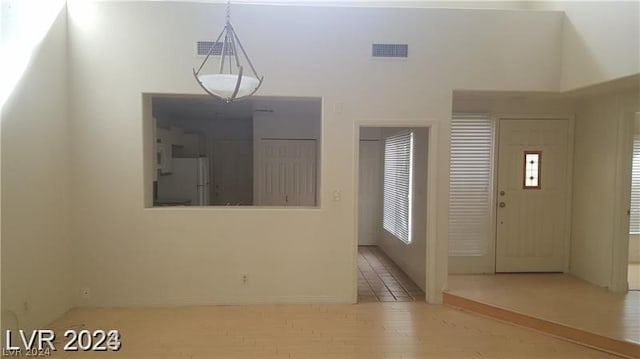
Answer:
(380, 280)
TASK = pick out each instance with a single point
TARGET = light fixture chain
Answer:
(231, 49)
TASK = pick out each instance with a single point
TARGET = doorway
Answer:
(509, 194)
(533, 191)
(392, 211)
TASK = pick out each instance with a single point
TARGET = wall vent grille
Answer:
(203, 48)
(390, 50)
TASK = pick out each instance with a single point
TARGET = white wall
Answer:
(36, 245)
(634, 249)
(129, 255)
(513, 104)
(370, 159)
(594, 187)
(601, 40)
(411, 258)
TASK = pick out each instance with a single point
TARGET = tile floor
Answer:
(381, 280)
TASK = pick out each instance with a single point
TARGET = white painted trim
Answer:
(433, 294)
(620, 236)
(148, 150)
(569, 206)
(433, 275)
(570, 159)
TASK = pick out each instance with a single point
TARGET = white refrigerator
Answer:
(189, 180)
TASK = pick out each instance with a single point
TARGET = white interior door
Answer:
(369, 192)
(287, 173)
(232, 172)
(532, 213)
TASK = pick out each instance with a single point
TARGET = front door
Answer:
(532, 213)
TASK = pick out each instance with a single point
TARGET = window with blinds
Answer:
(470, 185)
(397, 188)
(634, 218)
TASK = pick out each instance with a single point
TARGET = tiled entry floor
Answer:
(380, 280)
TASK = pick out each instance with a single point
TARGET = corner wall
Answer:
(600, 40)
(594, 186)
(36, 248)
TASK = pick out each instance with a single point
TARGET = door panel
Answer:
(369, 192)
(287, 173)
(531, 222)
(232, 172)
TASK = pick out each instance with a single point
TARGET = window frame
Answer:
(524, 170)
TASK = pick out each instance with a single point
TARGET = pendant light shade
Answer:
(230, 82)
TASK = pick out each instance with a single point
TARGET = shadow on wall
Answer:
(579, 65)
(634, 249)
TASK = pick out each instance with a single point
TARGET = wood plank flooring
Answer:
(557, 298)
(381, 280)
(369, 330)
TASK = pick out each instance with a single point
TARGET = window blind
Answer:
(634, 218)
(470, 185)
(397, 188)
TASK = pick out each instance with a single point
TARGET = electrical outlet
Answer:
(245, 278)
(86, 293)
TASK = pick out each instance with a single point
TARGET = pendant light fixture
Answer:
(230, 82)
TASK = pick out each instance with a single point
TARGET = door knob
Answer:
(502, 204)
(502, 193)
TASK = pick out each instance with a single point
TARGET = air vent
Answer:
(205, 46)
(390, 50)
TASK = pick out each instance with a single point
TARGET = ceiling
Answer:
(468, 4)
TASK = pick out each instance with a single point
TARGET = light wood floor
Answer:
(370, 330)
(559, 298)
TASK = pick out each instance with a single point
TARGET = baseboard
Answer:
(614, 346)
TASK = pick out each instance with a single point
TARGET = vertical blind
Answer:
(398, 172)
(634, 220)
(470, 185)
